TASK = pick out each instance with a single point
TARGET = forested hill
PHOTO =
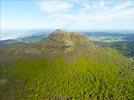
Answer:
(64, 66)
(124, 47)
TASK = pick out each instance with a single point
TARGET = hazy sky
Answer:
(67, 14)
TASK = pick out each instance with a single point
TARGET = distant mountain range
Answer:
(37, 35)
(29, 39)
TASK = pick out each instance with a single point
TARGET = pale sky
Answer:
(67, 14)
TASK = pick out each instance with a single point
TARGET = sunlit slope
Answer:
(68, 38)
(53, 70)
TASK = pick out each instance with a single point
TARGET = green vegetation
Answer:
(56, 78)
(125, 47)
(47, 71)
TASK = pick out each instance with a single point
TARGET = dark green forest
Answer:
(124, 47)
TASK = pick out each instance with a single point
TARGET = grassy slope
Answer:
(85, 72)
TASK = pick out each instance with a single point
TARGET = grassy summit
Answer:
(64, 66)
(69, 38)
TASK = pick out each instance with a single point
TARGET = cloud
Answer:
(92, 14)
(102, 3)
(55, 6)
(84, 20)
(123, 5)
